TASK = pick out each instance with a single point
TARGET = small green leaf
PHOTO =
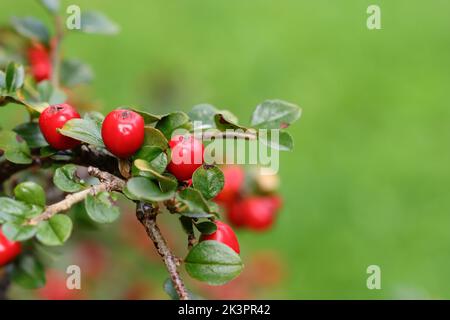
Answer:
(74, 72)
(28, 272)
(50, 94)
(47, 151)
(206, 227)
(279, 141)
(66, 180)
(154, 156)
(13, 210)
(275, 114)
(155, 138)
(100, 209)
(31, 133)
(146, 190)
(194, 200)
(31, 28)
(55, 231)
(85, 130)
(15, 151)
(51, 5)
(213, 262)
(202, 116)
(172, 293)
(16, 231)
(149, 118)
(173, 121)
(226, 120)
(2, 80)
(14, 77)
(97, 22)
(31, 193)
(187, 224)
(197, 215)
(209, 180)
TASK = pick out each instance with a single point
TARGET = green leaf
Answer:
(51, 5)
(225, 120)
(14, 77)
(66, 180)
(20, 154)
(209, 180)
(16, 231)
(15, 151)
(50, 94)
(197, 215)
(194, 200)
(149, 118)
(85, 130)
(154, 156)
(202, 116)
(281, 141)
(31, 133)
(28, 272)
(94, 116)
(31, 193)
(145, 166)
(172, 293)
(74, 72)
(213, 262)
(100, 208)
(144, 189)
(275, 114)
(155, 138)
(31, 28)
(187, 225)
(47, 151)
(13, 210)
(97, 22)
(55, 231)
(173, 121)
(2, 80)
(206, 227)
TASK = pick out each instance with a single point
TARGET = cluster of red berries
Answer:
(256, 212)
(123, 135)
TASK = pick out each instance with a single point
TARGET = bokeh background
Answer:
(367, 182)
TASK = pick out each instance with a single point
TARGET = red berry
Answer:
(53, 118)
(234, 179)
(40, 62)
(187, 156)
(258, 213)
(234, 213)
(8, 249)
(123, 132)
(223, 234)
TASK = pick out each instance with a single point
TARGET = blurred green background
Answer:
(368, 180)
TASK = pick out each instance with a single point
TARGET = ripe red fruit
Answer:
(187, 156)
(8, 249)
(123, 132)
(223, 234)
(40, 62)
(53, 118)
(234, 179)
(258, 213)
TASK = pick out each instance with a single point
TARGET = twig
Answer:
(146, 214)
(56, 52)
(108, 182)
(83, 156)
(5, 281)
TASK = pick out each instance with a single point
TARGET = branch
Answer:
(83, 156)
(146, 214)
(5, 281)
(108, 182)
